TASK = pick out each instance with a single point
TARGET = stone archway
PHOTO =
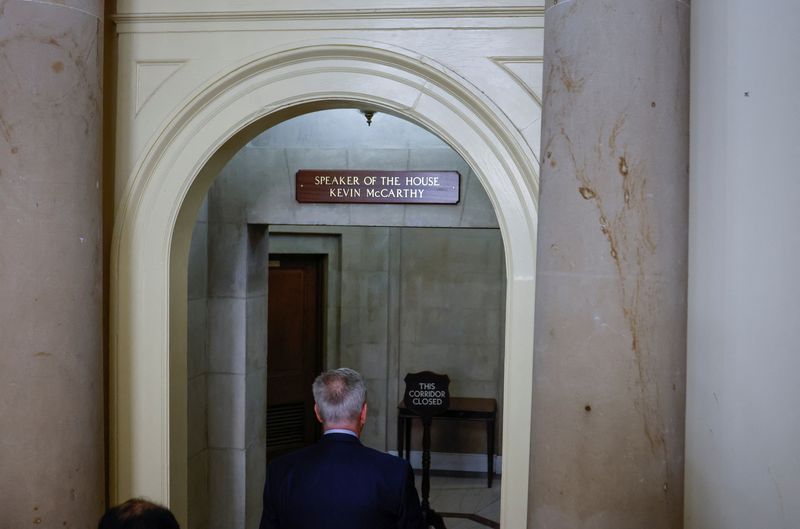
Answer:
(154, 221)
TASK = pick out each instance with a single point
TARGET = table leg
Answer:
(490, 451)
(408, 438)
(399, 436)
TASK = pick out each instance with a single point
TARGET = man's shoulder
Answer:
(290, 459)
(383, 457)
(321, 451)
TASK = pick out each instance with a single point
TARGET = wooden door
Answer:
(294, 350)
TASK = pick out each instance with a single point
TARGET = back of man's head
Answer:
(137, 513)
(339, 394)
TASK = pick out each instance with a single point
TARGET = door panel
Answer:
(294, 350)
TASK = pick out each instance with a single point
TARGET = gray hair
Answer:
(339, 394)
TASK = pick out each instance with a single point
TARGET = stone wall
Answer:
(197, 367)
(406, 300)
(398, 299)
(257, 186)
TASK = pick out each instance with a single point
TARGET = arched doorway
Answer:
(157, 209)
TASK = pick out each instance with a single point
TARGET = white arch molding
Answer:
(155, 218)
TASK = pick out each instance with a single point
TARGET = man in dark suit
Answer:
(338, 482)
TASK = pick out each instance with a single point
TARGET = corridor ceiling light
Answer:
(369, 114)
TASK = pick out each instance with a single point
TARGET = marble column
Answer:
(51, 379)
(610, 345)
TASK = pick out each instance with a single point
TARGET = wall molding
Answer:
(452, 462)
(506, 64)
(151, 75)
(333, 14)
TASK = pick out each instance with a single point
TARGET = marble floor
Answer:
(467, 495)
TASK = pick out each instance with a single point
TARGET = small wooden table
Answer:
(461, 408)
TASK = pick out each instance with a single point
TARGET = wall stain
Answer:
(615, 130)
(572, 84)
(777, 490)
(80, 52)
(560, 68)
(627, 230)
(623, 166)
(6, 131)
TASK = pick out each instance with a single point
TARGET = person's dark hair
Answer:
(137, 513)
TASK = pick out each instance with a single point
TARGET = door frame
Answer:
(161, 197)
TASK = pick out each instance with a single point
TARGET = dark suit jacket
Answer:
(340, 483)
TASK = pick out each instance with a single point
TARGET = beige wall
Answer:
(191, 84)
(742, 421)
(169, 48)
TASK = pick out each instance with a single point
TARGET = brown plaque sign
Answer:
(377, 187)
